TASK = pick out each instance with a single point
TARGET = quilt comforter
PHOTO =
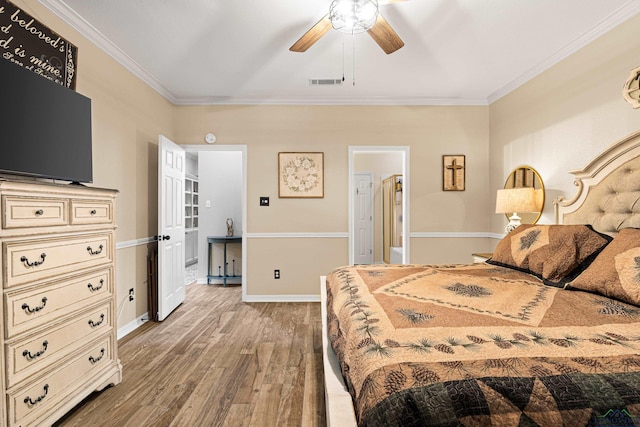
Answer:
(478, 344)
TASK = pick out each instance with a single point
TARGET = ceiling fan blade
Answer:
(313, 35)
(385, 36)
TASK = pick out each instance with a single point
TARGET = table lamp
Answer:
(514, 200)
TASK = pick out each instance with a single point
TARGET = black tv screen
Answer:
(45, 128)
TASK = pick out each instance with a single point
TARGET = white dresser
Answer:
(59, 309)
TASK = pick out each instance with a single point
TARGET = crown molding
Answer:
(624, 12)
(68, 15)
(218, 100)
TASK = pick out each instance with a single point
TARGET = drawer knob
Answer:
(98, 323)
(93, 212)
(26, 261)
(32, 402)
(26, 307)
(39, 212)
(95, 360)
(96, 288)
(92, 252)
(31, 356)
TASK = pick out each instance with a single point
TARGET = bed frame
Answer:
(608, 198)
(608, 195)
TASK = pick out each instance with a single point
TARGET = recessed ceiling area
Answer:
(468, 52)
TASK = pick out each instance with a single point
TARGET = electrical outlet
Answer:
(276, 274)
(131, 294)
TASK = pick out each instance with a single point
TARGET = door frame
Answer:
(194, 148)
(371, 222)
(404, 151)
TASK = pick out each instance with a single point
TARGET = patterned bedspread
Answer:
(479, 344)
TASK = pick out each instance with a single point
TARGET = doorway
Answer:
(219, 198)
(356, 156)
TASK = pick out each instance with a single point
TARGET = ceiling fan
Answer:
(352, 17)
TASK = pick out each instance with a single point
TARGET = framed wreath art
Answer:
(301, 175)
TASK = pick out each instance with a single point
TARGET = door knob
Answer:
(165, 237)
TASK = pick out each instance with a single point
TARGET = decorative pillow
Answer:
(554, 253)
(615, 273)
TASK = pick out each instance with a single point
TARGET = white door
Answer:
(363, 218)
(171, 253)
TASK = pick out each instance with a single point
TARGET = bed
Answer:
(547, 332)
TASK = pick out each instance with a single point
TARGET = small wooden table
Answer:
(224, 276)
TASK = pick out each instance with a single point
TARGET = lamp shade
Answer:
(512, 200)
(353, 16)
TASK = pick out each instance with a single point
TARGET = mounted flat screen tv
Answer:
(45, 128)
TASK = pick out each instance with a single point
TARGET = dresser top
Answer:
(33, 186)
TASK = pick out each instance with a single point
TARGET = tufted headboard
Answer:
(608, 195)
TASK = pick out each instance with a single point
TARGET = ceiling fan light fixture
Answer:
(353, 16)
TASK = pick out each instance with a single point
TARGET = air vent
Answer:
(325, 82)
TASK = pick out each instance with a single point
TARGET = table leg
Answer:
(208, 261)
(224, 281)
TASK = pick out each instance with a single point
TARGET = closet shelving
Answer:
(191, 219)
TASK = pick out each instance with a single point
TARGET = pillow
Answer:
(615, 273)
(554, 253)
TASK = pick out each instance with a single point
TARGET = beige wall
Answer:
(555, 123)
(561, 119)
(429, 131)
(127, 116)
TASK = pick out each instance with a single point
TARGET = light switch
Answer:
(207, 203)
(264, 201)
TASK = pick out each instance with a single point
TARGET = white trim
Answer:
(68, 15)
(320, 235)
(334, 235)
(282, 298)
(626, 11)
(218, 100)
(406, 196)
(78, 23)
(132, 243)
(339, 406)
(453, 234)
(133, 325)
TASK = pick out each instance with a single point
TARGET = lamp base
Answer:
(514, 222)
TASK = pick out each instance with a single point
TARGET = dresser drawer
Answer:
(28, 404)
(33, 212)
(29, 261)
(91, 212)
(30, 355)
(29, 309)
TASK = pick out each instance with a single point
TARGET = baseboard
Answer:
(132, 326)
(281, 298)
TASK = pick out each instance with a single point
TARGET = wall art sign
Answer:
(30, 44)
(453, 172)
(301, 175)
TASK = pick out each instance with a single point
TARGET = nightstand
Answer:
(481, 257)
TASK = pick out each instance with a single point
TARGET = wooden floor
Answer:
(217, 361)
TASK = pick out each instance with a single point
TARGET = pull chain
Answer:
(343, 54)
(354, 59)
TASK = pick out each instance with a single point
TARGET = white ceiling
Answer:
(237, 51)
